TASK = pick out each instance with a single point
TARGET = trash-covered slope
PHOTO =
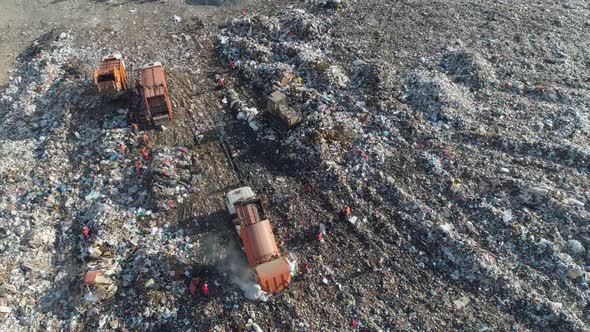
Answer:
(84, 201)
(487, 174)
(456, 133)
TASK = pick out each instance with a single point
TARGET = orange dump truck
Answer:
(272, 270)
(110, 77)
(155, 93)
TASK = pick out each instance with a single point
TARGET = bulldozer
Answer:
(155, 93)
(251, 221)
(110, 77)
(278, 108)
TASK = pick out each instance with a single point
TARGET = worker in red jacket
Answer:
(144, 153)
(193, 286)
(138, 167)
(205, 289)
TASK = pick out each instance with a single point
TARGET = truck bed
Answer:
(155, 93)
(153, 81)
(110, 76)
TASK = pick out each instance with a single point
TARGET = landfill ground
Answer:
(458, 133)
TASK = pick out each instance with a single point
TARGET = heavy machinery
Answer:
(253, 226)
(277, 106)
(155, 93)
(110, 77)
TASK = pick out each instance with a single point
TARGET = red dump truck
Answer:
(272, 270)
(110, 77)
(155, 93)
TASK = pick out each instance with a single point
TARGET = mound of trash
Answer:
(81, 240)
(469, 68)
(438, 98)
(471, 189)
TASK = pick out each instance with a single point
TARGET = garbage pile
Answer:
(463, 180)
(40, 186)
(174, 174)
(442, 149)
(70, 185)
(284, 58)
(81, 242)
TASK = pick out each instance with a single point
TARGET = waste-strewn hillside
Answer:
(438, 180)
